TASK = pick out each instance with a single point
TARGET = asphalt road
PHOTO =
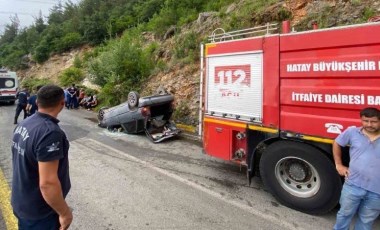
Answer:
(122, 181)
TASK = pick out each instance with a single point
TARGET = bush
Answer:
(70, 76)
(187, 48)
(77, 62)
(89, 91)
(121, 67)
(368, 13)
(216, 5)
(69, 41)
(42, 52)
(182, 110)
(32, 83)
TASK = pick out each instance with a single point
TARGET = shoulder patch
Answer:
(53, 147)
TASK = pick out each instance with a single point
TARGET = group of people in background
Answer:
(74, 98)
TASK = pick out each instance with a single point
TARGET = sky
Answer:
(26, 10)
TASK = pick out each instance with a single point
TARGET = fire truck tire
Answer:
(300, 177)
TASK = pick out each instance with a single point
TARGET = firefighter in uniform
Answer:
(22, 97)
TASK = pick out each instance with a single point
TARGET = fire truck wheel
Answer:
(300, 177)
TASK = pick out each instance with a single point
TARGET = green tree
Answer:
(94, 29)
(70, 76)
(10, 31)
(69, 41)
(121, 67)
(41, 52)
(56, 14)
(39, 23)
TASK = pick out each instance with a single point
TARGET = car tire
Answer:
(301, 177)
(101, 113)
(133, 99)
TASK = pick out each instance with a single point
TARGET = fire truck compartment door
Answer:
(217, 141)
(235, 86)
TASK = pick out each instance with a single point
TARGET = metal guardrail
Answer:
(219, 34)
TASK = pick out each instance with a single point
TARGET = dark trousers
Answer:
(19, 108)
(72, 103)
(50, 222)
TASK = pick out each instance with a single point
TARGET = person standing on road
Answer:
(32, 107)
(22, 97)
(73, 102)
(40, 163)
(361, 190)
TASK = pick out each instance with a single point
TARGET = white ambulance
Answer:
(8, 86)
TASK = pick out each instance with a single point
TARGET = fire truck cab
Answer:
(275, 103)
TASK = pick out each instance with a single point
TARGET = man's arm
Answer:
(337, 153)
(52, 192)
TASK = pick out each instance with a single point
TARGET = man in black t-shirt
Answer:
(40, 162)
(22, 97)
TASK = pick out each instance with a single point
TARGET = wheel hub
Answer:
(297, 172)
(297, 176)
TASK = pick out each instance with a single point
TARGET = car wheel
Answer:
(300, 177)
(133, 99)
(101, 113)
(161, 91)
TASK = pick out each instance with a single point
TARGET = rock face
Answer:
(52, 67)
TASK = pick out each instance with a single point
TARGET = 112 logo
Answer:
(233, 75)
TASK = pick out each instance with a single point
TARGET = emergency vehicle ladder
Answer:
(219, 34)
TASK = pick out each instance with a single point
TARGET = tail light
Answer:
(145, 111)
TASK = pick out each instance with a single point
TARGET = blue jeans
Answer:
(50, 222)
(357, 200)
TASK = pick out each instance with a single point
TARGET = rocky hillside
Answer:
(182, 80)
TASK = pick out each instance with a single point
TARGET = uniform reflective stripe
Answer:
(229, 123)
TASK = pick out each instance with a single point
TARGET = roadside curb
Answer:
(187, 128)
(189, 133)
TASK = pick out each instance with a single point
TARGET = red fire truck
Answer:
(275, 102)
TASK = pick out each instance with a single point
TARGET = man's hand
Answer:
(342, 170)
(65, 220)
